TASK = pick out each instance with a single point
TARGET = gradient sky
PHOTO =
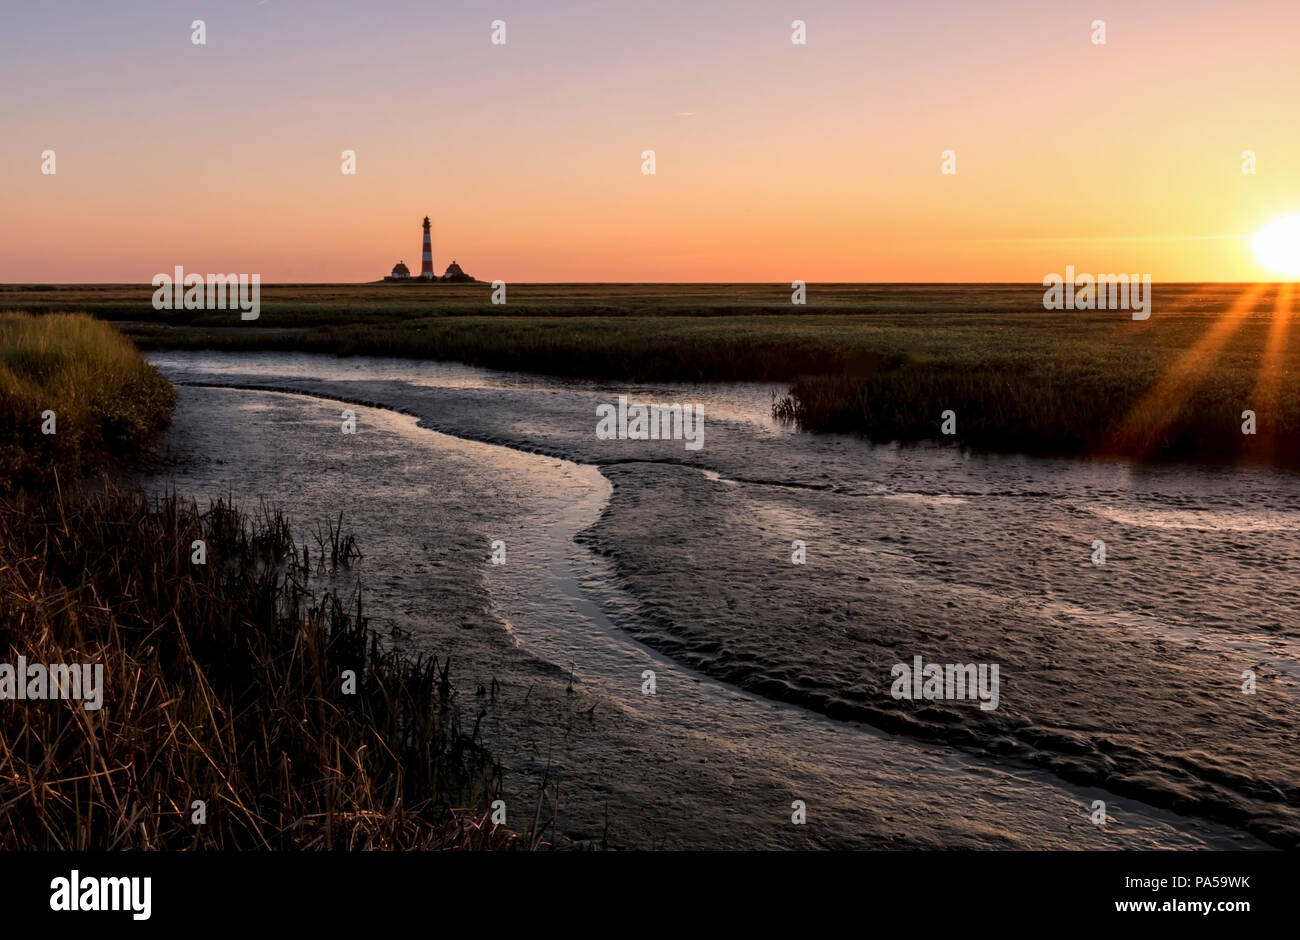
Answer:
(775, 161)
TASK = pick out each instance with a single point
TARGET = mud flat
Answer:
(1119, 682)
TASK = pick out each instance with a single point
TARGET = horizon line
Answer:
(149, 286)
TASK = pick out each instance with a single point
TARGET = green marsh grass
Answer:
(884, 361)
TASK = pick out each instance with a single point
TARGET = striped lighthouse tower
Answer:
(426, 264)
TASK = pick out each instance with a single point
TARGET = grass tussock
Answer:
(224, 683)
(106, 400)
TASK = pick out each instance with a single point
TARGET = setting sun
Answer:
(1277, 246)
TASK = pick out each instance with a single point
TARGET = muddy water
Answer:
(1119, 682)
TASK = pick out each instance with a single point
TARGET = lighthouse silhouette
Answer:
(426, 264)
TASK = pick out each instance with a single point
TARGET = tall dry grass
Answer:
(225, 684)
(224, 681)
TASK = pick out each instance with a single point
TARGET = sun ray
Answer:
(1268, 386)
(1140, 431)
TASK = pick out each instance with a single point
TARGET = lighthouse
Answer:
(426, 264)
(402, 274)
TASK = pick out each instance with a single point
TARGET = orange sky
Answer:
(775, 161)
